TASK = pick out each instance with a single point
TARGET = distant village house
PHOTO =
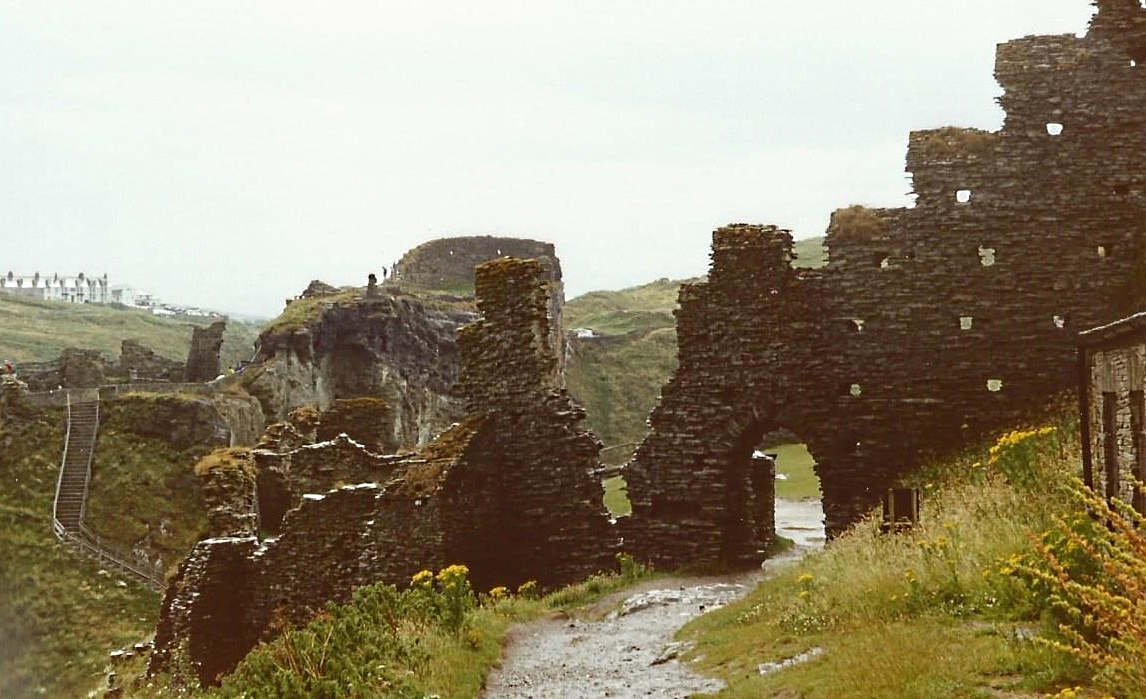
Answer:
(74, 289)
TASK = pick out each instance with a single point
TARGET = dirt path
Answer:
(631, 652)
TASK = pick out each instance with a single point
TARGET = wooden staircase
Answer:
(72, 490)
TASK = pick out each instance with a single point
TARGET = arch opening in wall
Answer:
(786, 499)
(615, 488)
(962, 196)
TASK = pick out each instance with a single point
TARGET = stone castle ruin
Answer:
(513, 491)
(929, 325)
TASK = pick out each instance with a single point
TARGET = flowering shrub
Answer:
(1019, 454)
(1091, 570)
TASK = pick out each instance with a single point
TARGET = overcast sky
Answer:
(226, 153)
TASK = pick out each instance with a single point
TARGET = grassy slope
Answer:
(938, 602)
(38, 330)
(59, 614)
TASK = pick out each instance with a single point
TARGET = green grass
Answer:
(36, 331)
(794, 462)
(618, 379)
(616, 498)
(60, 613)
(810, 252)
(928, 613)
(619, 383)
(144, 490)
(644, 307)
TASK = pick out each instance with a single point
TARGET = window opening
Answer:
(1054, 128)
(966, 322)
(1105, 250)
(1060, 322)
(986, 256)
(963, 196)
(994, 385)
(855, 390)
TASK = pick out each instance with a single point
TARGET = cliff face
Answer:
(384, 345)
(393, 341)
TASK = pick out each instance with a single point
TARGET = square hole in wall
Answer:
(855, 390)
(1105, 250)
(1060, 322)
(966, 322)
(994, 385)
(1054, 128)
(986, 256)
(963, 196)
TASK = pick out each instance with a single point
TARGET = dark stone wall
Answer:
(930, 326)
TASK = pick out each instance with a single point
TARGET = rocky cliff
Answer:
(393, 341)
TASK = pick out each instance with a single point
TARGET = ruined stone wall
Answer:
(1114, 365)
(929, 326)
(513, 491)
(551, 524)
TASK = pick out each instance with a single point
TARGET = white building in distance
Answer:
(77, 289)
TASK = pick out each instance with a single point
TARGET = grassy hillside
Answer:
(36, 331)
(810, 252)
(60, 613)
(953, 607)
(617, 376)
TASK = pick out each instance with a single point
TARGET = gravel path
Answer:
(631, 652)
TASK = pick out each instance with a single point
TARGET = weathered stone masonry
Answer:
(1112, 360)
(513, 491)
(930, 325)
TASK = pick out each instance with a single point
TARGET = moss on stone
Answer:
(226, 459)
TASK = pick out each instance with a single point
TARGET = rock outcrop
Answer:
(137, 362)
(394, 341)
(203, 362)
